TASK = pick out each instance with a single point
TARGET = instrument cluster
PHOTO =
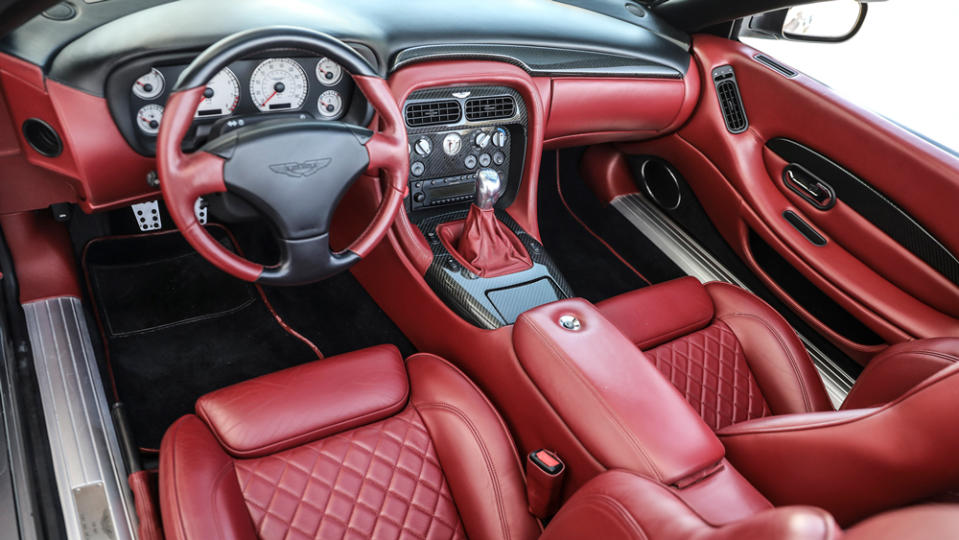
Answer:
(245, 92)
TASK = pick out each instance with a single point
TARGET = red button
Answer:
(547, 459)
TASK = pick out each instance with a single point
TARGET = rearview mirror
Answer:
(832, 21)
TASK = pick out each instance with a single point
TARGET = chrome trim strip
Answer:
(83, 441)
(693, 259)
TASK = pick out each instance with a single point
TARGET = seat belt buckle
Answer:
(544, 482)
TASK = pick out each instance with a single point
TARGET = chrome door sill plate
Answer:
(86, 454)
(693, 259)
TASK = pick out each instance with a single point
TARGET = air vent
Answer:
(431, 113)
(775, 66)
(729, 99)
(490, 108)
(42, 137)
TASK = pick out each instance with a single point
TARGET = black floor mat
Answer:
(592, 270)
(175, 327)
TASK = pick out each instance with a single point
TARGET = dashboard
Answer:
(247, 91)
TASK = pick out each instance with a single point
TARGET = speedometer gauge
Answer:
(328, 72)
(220, 96)
(278, 84)
(149, 85)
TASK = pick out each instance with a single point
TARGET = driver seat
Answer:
(362, 445)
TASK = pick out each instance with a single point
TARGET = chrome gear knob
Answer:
(488, 186)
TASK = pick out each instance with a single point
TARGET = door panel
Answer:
(896, 277)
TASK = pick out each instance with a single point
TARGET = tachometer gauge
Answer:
(149, 85)
(278, 84)
(221, 95)
(149, 117)
(330, 104)
(328, 72)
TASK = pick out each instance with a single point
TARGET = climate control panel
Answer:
(454, 132)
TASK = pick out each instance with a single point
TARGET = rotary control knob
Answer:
(499, 137)
(423, 146)
(481, 140)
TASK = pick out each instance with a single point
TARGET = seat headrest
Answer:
(659, 313)
(298, 405)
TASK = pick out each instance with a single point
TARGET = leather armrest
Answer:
(900, 367)
(855, 463)
(618, 505)
(613, 399)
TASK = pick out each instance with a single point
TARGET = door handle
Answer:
(809, 187)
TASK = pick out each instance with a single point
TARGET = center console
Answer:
(455, 132)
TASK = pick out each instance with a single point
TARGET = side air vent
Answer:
(775, 66)
(490, 108)
(729, 99)
(42, 137)
(431, 113)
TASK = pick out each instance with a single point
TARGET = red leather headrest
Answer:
(301, 404)
(681, 306)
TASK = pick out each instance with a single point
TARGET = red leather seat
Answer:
(735, 359)
(362, 446)
(732, 356)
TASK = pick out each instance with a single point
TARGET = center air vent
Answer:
(730, 100)
(490, 108)
(430, 113)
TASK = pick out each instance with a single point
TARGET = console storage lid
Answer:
(611, 396)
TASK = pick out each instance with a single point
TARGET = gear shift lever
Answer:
(487, 188)
(487, 244)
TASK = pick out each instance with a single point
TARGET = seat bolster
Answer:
(619, 505)
(654, 315)
(475, 451)
(779, 361)
(199, 493)
(926, 521)
(896, 370)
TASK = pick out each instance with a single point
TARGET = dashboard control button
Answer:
(499, 158)
(452, 144)
(419, 197)
(484, 160)
(481, 140)
(499, 137)
(423, 146)
(470, 162)
(417, 168)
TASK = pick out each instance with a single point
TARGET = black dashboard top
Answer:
(542, 36)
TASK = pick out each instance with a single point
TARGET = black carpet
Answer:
(175, 327)
(592, 270)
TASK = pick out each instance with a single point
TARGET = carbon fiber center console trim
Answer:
(699, 263)
(89, 468)
(468, 294)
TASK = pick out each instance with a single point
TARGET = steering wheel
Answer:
(293, 171)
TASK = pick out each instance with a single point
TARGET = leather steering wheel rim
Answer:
(222, 166)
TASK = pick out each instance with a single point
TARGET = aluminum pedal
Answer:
(147, 215)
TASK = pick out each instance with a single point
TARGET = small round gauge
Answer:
(149, 85)
(221, 95)
(149, 117)
(278, 84)
(328, 72)
(330, 104)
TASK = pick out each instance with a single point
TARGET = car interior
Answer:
(510, 269)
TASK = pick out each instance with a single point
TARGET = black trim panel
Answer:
(804, 228)
(872, 205)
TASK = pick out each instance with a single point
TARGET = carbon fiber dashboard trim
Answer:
(540, 61)
(439, 165)
(467, 294)
(86, 452)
